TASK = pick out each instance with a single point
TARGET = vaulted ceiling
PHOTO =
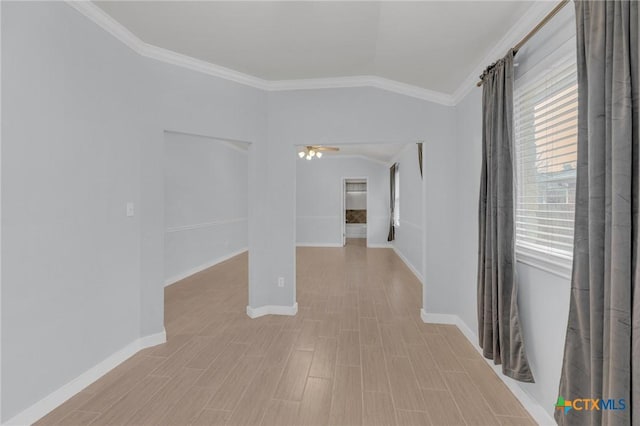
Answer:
(432, 45)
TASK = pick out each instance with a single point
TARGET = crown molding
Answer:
(533, 15)
(529, 19)
(113, 27)
(361, 81)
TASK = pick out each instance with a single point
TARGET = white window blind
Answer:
(545, 109)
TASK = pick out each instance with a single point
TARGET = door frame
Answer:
(343, 205)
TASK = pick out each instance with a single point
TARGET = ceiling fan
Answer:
(315, 151)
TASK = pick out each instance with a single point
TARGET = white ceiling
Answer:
(433, 45)
(383, 152)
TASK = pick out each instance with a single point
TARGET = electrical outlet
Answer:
(280, 281)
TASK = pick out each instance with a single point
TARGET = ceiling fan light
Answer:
(312, 152)
(308, 157)
(319, 155)
(301, 154)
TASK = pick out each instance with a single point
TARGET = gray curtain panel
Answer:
(392, 198)
(420, 157)
(602, 348)
(498, 320)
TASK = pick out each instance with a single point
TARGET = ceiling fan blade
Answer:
(326, 148)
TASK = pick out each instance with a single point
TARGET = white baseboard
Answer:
(62, 394)
(319, 245)
(409, 265)
(192, 271)
(272, 310)
(379, 245)
(537, 411)
(438, 318)
(369, 245)
(153, 339)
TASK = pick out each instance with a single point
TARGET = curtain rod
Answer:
(537, 28)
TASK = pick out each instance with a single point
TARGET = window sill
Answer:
(555, 265)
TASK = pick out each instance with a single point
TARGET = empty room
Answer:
(331, 213)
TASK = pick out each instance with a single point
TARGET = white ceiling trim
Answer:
(236, 145)
(113, 27)
(528, 20)
(350, 156)
(360, 81)
(526, 23)
(396, 157)
(106, 22)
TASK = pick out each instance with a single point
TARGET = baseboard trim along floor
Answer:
(179, 277)
(319, 245)
(358, 330)
(62, 394)
(537, 411)
(272, 310)
(409, 265)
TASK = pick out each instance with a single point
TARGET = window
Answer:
(396, 200)
(546, 113)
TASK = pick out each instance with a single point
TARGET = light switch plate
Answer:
(130, 209)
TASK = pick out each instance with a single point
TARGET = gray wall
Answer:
(72, 125)
(191, 102)
(82, 135)
(205, 209)
(363, 115)
(319, 212)
(409, 235)
(83, 126)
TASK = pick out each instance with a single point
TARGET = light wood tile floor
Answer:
(356, 354)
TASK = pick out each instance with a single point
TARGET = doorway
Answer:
(205, 203)
(354, 211)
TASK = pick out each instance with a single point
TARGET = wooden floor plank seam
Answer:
(218, 367)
